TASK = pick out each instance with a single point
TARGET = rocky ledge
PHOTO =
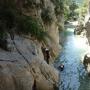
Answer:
(24, 67)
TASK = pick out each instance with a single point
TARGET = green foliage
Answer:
(66, 13)
(8, 13)
(59, 3)
(73, 6)
(83, 9)
(70, 10)
(3, 33)
(29, 25)
(58, 10)
(7, 18)
(59, 6)
(47, 16)
(11, 17)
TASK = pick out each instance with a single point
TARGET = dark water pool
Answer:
(74, 76)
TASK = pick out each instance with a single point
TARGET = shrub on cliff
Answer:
(47, 16)
(11, 17)
(7, 21)
(29, 25)
(59, 6)
(8, 17)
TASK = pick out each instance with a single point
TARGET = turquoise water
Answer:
(74, 76)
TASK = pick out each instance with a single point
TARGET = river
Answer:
(74, 76)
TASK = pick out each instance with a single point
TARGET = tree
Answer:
(70, 7)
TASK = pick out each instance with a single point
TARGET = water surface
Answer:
(74, 76)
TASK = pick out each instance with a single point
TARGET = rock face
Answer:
(87, 23)
(48, 15)
(24, 68)
(87, 28)
(44, 10)
(88, 31)
(79, 29)
(86, 62)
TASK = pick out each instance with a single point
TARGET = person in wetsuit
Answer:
(47, 55)
(34, 86)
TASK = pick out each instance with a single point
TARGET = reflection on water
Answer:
(74, 76)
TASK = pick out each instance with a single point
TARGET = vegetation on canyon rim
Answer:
(11, 17)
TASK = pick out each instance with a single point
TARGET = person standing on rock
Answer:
(47, 55)
(43, 51)
(34, 86)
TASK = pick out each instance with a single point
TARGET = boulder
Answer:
(79, 29)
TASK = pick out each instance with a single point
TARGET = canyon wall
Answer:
(23, 67)
(87, 23)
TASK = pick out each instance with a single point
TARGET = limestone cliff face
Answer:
(24, 68)
(88, 31)
(86, 60)
(50, 21)
(87, 23)
(45, 12)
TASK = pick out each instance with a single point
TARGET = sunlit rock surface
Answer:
(87, 28)
(25, 66)
(87, 22)
(79, 29)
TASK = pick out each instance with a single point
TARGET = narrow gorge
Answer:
(44, 45)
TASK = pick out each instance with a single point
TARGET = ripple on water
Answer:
(74, 76)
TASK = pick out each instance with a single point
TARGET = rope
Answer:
(23, 57)
(20, 52)
(8, 60)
